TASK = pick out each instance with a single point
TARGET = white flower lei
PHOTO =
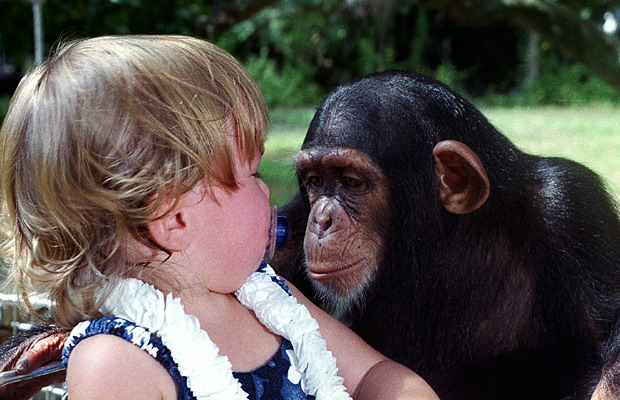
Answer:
(209, 375)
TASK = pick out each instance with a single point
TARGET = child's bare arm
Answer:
(390, 380)
(108, 367)
(367, 373)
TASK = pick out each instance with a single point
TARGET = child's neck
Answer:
(233, 328)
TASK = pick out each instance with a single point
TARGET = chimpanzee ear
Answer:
(463, 183)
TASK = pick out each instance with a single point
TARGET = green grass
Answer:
(4, 104)
(589, 135)
(288, 129)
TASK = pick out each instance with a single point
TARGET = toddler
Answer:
(129, 170)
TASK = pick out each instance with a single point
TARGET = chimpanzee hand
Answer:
(26, 352)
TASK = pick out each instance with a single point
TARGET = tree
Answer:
(559, 22)
(327, 42)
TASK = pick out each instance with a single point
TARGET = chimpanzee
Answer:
(493, 273)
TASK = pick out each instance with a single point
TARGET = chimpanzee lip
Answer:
(335, 271)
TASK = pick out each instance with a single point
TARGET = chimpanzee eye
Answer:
(316, 181)
(352, 183)
(313, 180)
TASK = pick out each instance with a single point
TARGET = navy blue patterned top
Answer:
(277, 379)
(269, 381)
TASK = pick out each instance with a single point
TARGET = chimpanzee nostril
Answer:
(325, 222)
(322, 218)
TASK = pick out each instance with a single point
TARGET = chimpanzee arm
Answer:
(27, 351)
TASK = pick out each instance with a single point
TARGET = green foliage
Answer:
(16, 32)
(560, 82)
(299, 49)
(4, 106)
(80, 18)
(448, 74)
(287, 48)
(571, 83)
(314, 45)
(286, 87)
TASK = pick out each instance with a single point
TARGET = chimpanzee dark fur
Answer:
(511, 301)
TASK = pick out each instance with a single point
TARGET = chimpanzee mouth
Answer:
(330, 271)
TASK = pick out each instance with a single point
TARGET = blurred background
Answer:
(545, 72)
(517, 52)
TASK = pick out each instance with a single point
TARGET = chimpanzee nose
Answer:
(322, 217)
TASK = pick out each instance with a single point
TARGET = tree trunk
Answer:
(533, 59)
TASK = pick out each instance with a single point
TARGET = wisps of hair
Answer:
(97, 137)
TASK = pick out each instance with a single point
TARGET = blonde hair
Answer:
(95, 139)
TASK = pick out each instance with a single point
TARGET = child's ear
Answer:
(170, 231)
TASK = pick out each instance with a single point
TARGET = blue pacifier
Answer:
(278, 233)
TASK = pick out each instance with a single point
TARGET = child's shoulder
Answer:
(107, 366)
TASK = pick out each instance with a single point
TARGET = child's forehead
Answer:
(245, 150)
